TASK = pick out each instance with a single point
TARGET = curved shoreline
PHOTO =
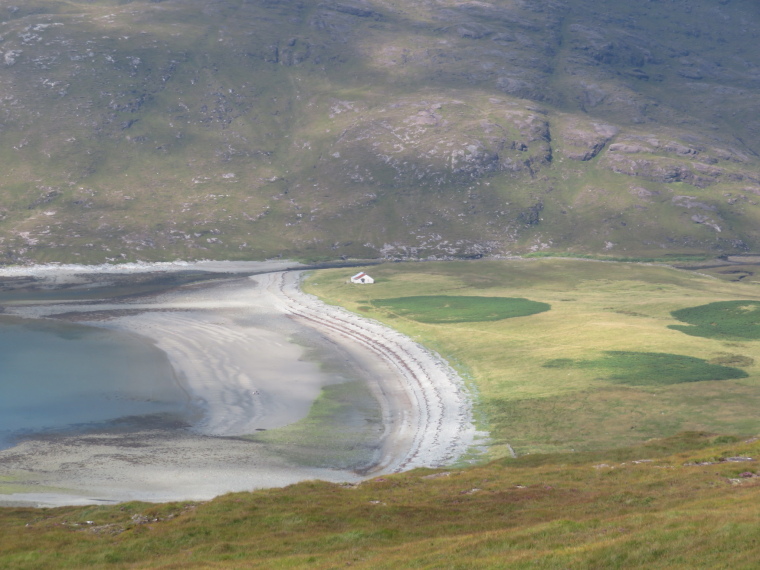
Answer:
(425, 408)
(437, 426)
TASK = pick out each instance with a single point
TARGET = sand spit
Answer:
(229, 343)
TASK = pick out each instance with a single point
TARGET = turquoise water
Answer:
(61, 376)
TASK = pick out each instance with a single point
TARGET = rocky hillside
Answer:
(137, 129)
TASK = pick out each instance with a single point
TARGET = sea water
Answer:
(60, 376)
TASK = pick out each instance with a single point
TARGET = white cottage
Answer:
(362, 278)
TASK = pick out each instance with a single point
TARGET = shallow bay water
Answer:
(61, 376)
(280, 389)
(172, 387)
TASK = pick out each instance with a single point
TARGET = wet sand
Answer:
(153, 466)
(230, 344)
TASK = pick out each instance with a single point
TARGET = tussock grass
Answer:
(650, 504)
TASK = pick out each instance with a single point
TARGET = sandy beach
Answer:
(231, 343)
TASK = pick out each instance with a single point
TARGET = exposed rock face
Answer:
(668, 171)
(439, 143)
(532, 215)
(585, 143)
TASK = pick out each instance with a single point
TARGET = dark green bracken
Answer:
(723, 319)
(651, 368)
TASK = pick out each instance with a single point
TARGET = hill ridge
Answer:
(377, 128)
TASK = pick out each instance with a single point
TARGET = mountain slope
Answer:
(246, 129)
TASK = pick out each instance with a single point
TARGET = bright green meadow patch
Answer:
(651, 368)
(724, 319)
(436, 309)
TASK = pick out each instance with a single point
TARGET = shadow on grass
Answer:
(651, 368)
(722, 320)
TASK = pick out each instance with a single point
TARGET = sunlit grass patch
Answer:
(437, 309)
(651, 368)
(723, 319)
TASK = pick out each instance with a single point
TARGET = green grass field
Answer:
(628, 374)
(650, 368)
(458, 309)
(731, 320)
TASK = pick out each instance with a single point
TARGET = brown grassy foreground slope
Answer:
(683, 502)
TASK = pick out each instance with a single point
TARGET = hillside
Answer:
(138, 129)
(684, 502)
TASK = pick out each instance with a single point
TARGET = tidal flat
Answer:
(139, 385)
(59, 375)
(243, 366)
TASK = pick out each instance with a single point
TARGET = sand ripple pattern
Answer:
(437, 428)
(209, 363)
